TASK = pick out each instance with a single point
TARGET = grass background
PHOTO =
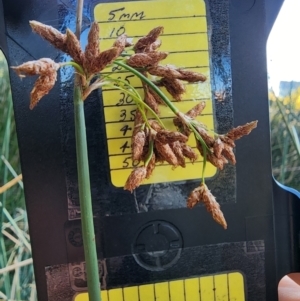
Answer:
(16, 270)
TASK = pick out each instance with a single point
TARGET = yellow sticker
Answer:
(221, 287)
(185, 38)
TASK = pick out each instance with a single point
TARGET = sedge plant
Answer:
(152, 142)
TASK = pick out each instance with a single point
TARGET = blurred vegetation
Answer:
(285, 129)
(16, 270)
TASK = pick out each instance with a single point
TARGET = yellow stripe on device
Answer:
(221, 287)
(185, 38)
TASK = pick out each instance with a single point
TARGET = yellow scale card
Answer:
(222, 287)
(185, 38)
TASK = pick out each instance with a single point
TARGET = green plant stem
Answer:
(84, 187)
(150, 84)
(75, 65)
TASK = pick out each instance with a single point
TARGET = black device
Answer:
(150, 238)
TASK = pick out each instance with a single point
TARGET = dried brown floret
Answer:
(137, 144)
(202, 194)
(194, 197)
(74, 48)
(103, 59)
(141, 60)
(218, 162)
(92, 47)
(150, 99)
(174, 86)
(151, 166)
(218, 147)
(120, 43)
(168, 71)
(135, 178)
(42, 66)
(176, 147)
(242, 130)
(155, 125)
(190, 76)
(213, 207)
(189, 152)
(196, 110)
(227, 140)
(172, 72)
(152, 47)
(143, 43)
(164, 151)
(229, 154)
(50, 34)
(42, 87)
(166, 136)
(209, 141)
(157, 97)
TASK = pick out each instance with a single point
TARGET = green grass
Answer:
(16, 270)
(285, 128)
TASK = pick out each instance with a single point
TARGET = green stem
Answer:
(150, 84)
(73, 64)
(84, 187)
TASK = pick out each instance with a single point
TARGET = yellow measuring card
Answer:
(185, 38)
(222, 287)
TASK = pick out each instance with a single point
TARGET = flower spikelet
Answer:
(196, 110)
(144, 43)
(73, 47)
(164, 71)
(176, 147)
(103, 59)
(203, 194)
(213, 207)
(120, 43)
(47, 69)
(150, 100)
(92, 47)
(188, 152)
(140, 60)
(190, 76)
(50, 34)
(166, 136)
(42, 87)
(137, 144)
(174, 86)
(151, 166)
(165, 151)
(242, 130)
(135, 178)
(41, 66)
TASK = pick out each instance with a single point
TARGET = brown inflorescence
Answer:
(142, 60)
(203, 194)
(135, 178)
(74, 48)
(41, 87)
(50, 34)
(145, 44)
(174, 86)
(47, 71)
(92, 48)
